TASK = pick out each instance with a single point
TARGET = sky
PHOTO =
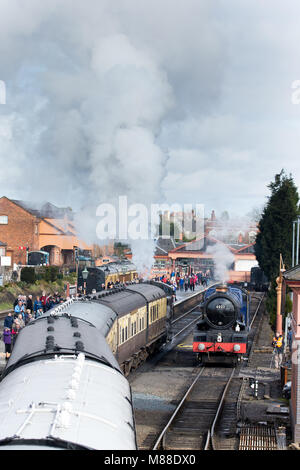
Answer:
(162, 101)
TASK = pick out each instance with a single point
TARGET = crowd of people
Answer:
(184, 282)
(24, 310)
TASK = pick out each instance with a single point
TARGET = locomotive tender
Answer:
(222, 333)
(63, 386)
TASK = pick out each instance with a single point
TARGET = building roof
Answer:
(243, 248)
(45, 210)
(164, 245)
(200, 244)
(292, 274)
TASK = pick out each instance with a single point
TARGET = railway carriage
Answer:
(141, 312)
(64, 378)
(63, 388)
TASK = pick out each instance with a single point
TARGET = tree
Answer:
(276, 233)
(120, 249)
(276, 225)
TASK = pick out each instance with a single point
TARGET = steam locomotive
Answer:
(99, 277)
(221, 335)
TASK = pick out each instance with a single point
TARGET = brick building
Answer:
(18, 229)
(49, 228)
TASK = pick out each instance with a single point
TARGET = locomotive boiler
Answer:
(221, 335)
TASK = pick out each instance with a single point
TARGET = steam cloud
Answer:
(227, 231)
(133, 97)
(223, 258)
(90, 125)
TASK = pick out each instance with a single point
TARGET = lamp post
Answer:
(85, 274)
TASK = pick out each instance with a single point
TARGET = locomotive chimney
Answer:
(222, 288)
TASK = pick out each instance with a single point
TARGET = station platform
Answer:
(181, 294)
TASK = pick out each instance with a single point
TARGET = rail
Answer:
(257, 310)
(210, 434)
(162, 434)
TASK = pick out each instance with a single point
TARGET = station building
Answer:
(48, 228)
(234, 240)
(204, 254)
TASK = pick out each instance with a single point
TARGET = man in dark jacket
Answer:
(8, 321)
(29, 305)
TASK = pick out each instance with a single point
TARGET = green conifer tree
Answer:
(276, 225)
(276, 232)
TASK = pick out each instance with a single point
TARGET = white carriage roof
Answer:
(66, 402)
(47, 336)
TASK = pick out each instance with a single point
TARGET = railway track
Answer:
(191, 426)
(207, 415)
(184, 323)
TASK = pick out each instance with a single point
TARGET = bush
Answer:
(28, 275)
(51, 273)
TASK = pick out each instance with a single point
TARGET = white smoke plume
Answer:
(83, 123)
(125, 97)
(223, 259)
(228, 230)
